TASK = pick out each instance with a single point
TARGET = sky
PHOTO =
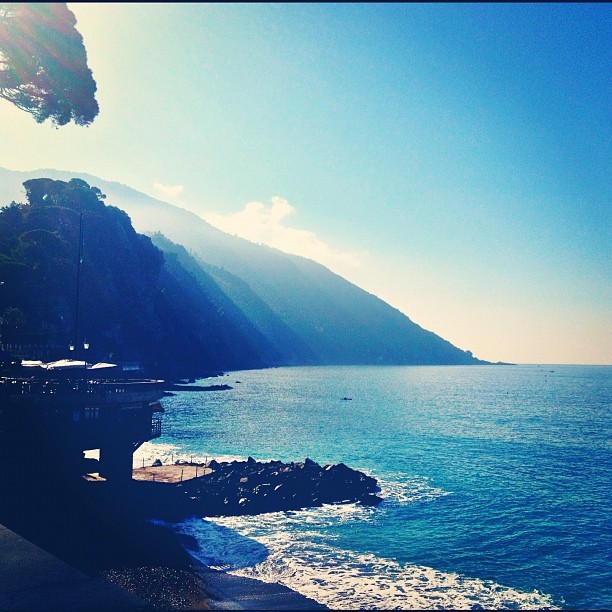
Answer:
(452, 159)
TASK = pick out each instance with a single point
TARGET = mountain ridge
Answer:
(309, 313)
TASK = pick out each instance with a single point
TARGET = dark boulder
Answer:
(251, 487)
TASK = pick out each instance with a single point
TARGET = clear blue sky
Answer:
(452, 159)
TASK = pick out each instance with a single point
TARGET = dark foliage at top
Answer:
(43, 63)
(134, 303)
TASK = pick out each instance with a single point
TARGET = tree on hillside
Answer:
(43, 63)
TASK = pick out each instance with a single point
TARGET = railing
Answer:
(156, 427)
(31, 351)
(27, 386)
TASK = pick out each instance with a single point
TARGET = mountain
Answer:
(126, 299)
(308, 314)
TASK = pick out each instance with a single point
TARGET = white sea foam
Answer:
(404, 489)
(296, 549)
(345, 580)
(169, 453)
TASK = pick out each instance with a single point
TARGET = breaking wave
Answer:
(296, 549)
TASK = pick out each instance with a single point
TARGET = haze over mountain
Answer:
(306, 313)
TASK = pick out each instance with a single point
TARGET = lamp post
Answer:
(85, 347)
(1, 322)
(78, 287)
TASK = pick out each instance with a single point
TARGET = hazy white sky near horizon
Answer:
(453, 159)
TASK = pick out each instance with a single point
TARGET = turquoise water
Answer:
(496, 482)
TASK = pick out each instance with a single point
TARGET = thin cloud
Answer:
(265, 224)
(170, 191)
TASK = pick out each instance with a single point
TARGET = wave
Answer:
(296, 549)
(405, 489)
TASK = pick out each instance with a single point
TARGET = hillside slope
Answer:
(308, 313)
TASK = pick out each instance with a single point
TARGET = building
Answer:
(54, 414)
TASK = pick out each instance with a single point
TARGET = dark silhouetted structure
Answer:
(52, 418)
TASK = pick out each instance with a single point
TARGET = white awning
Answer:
(65, 364)
(102, 365)
(28, 363)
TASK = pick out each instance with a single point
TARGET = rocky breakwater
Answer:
(252, 487)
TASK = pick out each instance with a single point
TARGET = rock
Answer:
(370, 500)
(262, 489)
(341, 467)
(157, 463)
(251, 487)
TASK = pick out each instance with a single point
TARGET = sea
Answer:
(496, 482)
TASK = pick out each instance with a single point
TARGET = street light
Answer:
(1, 320)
